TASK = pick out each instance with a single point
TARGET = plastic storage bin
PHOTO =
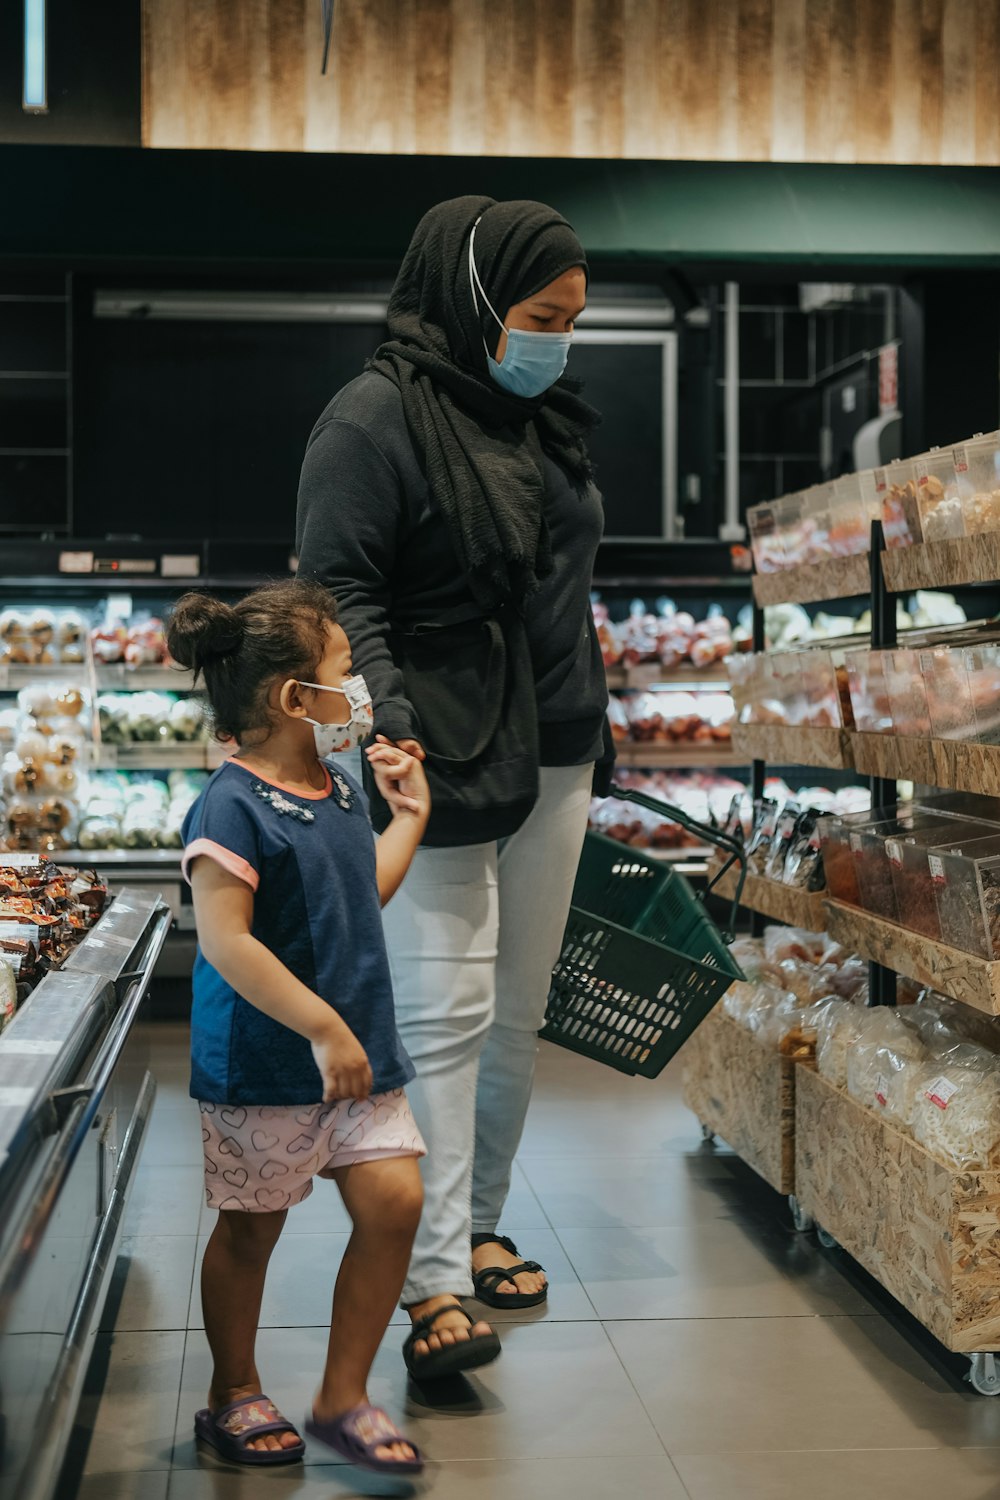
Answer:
(949, 696)
(912, 877)
(900, 512)
(907, 693)
(937, 496)
(876, 888)
(977, 473)
(820, 694)
(850, 527)
(766, 538)
(966, 885)
(982, 669)
(869, 693)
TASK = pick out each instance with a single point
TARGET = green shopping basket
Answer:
(642, 962)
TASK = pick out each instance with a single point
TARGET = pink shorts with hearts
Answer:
(263, 1157)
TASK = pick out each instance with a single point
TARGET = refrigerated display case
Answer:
(75, 1100)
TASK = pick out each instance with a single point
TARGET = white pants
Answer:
(473, 936)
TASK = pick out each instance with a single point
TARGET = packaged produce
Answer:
(803, 866)
(900, 512)
(838, 1031)
(773, 859)
(765, 824)
(977, 472)
(956, 1110)
(883, 1064)
(766, 538)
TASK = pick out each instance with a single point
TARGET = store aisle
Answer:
(694, 1346)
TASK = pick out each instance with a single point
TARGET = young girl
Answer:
(296, 1060)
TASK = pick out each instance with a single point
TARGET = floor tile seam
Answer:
(734, 1453)
(579, 1278)
(803, 1317)
(647, 1413)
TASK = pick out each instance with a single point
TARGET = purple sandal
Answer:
(357, 1433)
(232, 1428)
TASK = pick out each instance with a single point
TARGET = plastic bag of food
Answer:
(804, 861)
(838, 1030)
(750, 1004)
(765, 821)
(883, 1064)
(784, 831)
(8, 993)
(618, 719)
(748, 953)
(956, 1112)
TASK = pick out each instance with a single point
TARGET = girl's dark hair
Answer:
(239, 649)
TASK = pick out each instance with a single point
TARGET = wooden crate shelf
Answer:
(785, 903)
(974, 981)
(784, 745)
(745, 1094)
(936, 565)
(928, 1233)
(835, 578)
(957, 765)
(678, 755)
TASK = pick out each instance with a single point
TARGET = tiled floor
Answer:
(694, 1345)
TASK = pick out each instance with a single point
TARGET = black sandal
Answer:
(489, 1278)
(450, 1359)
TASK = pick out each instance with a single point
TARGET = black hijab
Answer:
(481, 447)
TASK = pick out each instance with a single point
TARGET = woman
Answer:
(450, 482)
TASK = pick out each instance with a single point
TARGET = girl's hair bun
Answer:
(202, 629)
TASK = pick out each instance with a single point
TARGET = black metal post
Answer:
(757, 919)
(881, 981)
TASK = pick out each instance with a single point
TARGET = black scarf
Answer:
(480, 446)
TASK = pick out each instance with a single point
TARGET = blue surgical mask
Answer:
(532, 362)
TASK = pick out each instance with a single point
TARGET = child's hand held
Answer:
(400, 778)
(343, 1066)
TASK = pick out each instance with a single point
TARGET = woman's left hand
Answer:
(400, 779)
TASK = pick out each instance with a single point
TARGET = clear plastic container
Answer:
(907, 693)
(839, 859)
(977, 471)
(949, 696)
(820, 695)
(869, 693)
(787, 669)
(982, 668)
(937, 496)
(871, 488)
(850, 529)
(815, 521)
(911, 874)
(966, 884)
(766, 538)
(900, 512)
(868, 843)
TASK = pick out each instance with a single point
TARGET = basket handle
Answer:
(724, 841)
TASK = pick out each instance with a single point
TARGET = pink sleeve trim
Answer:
(224, 857)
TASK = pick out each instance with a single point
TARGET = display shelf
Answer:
(745, 1094)
(14, 676)
(815, 583)
(948, 564)
(649, 674)
(785, 903)
(962, 976)
(158, 678)
(927, 1232)
(152, 756)
(123, 860)
(955, 765)
(656, 755)
(788, 745)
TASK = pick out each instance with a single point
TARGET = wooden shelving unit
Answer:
(955, 765)
(787, 745)
(783, 903)
(974, 981)
(936, 565)
(815, 583)
(678, 755)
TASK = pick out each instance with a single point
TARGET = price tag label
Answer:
(895, 853)
(881, 1089)
(936, 869)
(855, 843)
(941, 1091)
(76, 562)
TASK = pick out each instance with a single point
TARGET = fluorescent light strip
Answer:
(35, 100)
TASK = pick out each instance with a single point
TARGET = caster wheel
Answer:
(826, 1240)
(707, 1134)
(984, 1374)
(803, 1223)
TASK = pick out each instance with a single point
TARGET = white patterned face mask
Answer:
(335, 739)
